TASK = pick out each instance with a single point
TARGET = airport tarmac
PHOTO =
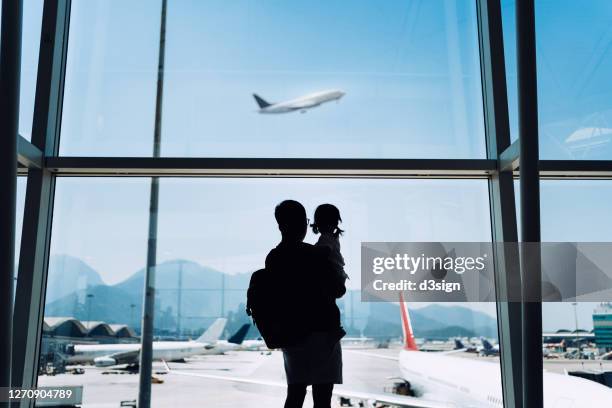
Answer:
(106, 388)
(102, 390)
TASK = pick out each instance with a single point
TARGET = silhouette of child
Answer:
(326, 220)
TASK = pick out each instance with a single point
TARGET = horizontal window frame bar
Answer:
(254, 167)
(323, 168)
(28, 155)
(577, 169)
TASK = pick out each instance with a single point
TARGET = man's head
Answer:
(292, 221)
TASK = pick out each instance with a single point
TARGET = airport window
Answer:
(253, 94)
(111, 71)
(408, 76)
(509, 32)
(99, 242)
(32, 19)
(212, 234)
(20, 204)
(576, 331)
(574, 61)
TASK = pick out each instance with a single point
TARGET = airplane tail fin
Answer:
(409, 342)
(239, 336)
(459, 344)
(261, 102)
(486, 344)
(213, 332)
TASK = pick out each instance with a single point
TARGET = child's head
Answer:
(326, 220)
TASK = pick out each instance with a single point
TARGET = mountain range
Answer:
(75, 289)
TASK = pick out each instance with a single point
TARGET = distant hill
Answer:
(68, 275)
(201, 297)
(108, 304)
(426, 326)
(480, 323)
(374, 319)
(202, 300)
(448, 332)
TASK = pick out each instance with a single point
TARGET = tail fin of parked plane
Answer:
(239, 336)
(261, 102)
(213, 332)
(409, 342)
(459, 345)
(486, 344)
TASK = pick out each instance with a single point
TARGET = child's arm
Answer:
(338, 262)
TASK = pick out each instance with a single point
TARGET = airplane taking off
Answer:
(107, 355)
(302, 104)
(438, 380)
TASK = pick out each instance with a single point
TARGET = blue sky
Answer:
(411, 73)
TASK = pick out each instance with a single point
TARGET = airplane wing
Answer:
(456, 351)
(395, 358)
(124, 357)
(402, 401)
(375, 355)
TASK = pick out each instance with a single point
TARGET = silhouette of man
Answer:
(307, 288)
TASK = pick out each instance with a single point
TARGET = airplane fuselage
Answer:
(162, 350)
(477, 384)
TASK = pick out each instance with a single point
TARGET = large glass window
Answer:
(573, 61)
(32, 21)
(212, 234)
(21, 192)
(296, 79)
(99, 242)
(111, 71)
(576, 211)
(20, 204)
(508, 8)
(409, 72)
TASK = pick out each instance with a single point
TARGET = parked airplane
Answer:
(302, 104)
(254, 345)
(438, 380)
(235, 342)
(548, 350)
(487, 348)
(459, 345)
(106, 355)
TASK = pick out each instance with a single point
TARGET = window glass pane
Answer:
(509, 32)
(20, 205)
(32, 22)
(575, 211)
(212, 234)
(574, 89)
(111, 71)
(409, 70)
(215, 241)
(99, 240)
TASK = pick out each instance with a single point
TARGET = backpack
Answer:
(273, 322)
